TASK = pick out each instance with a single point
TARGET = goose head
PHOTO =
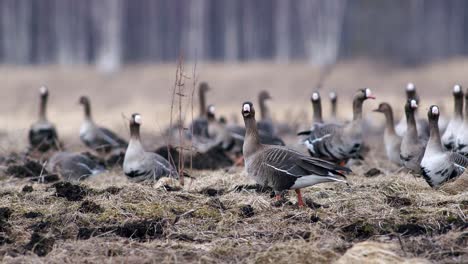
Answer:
(203, 87)
(84, 100)
(411, 106)
(383, 108)
(411, 92)
(210, 113)
(433, 113)
(333, 97)
(248, 111)
(135, 123)
(315, 97)
(264, 95)
(43, 91)
(457, 90)
(364, 94)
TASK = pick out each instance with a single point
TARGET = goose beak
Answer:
(371, 97)
(376, 110)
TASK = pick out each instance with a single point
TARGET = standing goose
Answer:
(140, 165)
(266, 122)
(98, 138)
(340, 143)
(316, 108)
(450, 134)
(412, 148)
(462, 133)
(391, 140)
(73, 167)
(199, 125)
(42, 134)
(437, 165)
(281, 168)
(421, 124)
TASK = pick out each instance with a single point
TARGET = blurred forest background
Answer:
(110, 33)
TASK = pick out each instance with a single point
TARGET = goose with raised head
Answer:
(43, 134)
(282, 168)
(73, 167)
(199, 126)
(461, 145)
(265, 123)
(98, 138)
(421, 123)
(412, 148)
(453, 127)
(340, 143)
(391, 140)
(334, 106)
(439, 166)
(140, 165)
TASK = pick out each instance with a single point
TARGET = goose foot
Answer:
(300, 202)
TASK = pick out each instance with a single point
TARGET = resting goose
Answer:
(140, 165)
(42, 134)
(266, 122)
(199, 126)
(73, 166)
(453, 127)
(282, 168)
(437, 165)
(422, 125)
(391, 140)
(412, 148)
(98, 138)
(339, 143)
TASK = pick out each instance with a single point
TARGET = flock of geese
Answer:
(415, 143)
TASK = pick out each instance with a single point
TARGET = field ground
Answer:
(389, 217)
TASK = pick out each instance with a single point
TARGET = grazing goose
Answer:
(391, 140)
(98, 138)
(199, 125)
(422, 125)
(266, 122)
(412, 148)
(140, 165)
(437, 165)
(42, 134)
(450, 134)
(281, 168)
(339, 143)
(462, 133)
(73, 166)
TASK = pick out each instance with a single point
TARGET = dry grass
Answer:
(400, 216)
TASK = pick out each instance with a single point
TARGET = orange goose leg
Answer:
(300, 202)
(239, 162)
(342, 163)
(278, 197)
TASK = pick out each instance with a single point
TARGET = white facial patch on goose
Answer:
(456, 88)
(368, 92)
(246, 108)
(435, 110)
(332, 95)
(43, 89)
(211, 109)
(137, 119)
(315, 96)
(410, 87)
(414, 104)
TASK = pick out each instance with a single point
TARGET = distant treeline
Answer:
(112, 32)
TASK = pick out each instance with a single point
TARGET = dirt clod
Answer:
(71, 192)
(212, 191)
(410, 229)
(5, 214)
(247, 211)
(90, 207)
(373, 172)
(397, 202)
(40, 245)
(27, 189)
(29, 169)
(32, 214)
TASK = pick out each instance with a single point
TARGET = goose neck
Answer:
(202, 99)
(389, 122)
(458, 106)
(411, 124)
(252, 139)
(264, 111)
(43, 107)
(434, 142)
(357, 109)
(333, 108)
(317, 108)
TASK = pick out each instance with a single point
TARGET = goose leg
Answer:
(300, 202)
(278, 197)
(239, 162)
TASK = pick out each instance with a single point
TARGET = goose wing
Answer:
(458, 159)
(112, 138)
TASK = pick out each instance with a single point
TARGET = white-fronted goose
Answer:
(391, 140)
(73, 166)
(452, 130)
(265, 123)
(340, 143)
(334, 106)
(462, 133)
(220, 135)
(317, 117)
(421, 123)
(98, 138)
(412, 148)
(437, 165)
(281, 168)
(140, 165)
(42, 134)
(199, 126)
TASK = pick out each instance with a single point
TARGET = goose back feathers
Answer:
(437, 165)
(392, 141)
(43, 134)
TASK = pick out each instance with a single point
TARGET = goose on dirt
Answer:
(100, 139)
(412, 147)
(282, 168)
(73, 167)
(339, 143)
(453, 127)
(43, 134)
(392, 141)
(439, 166)
(140, 165)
